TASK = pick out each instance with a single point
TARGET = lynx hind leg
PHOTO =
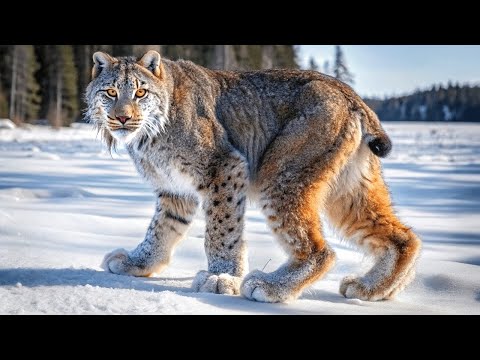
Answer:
(295, 221)
(363, 213)
(293, 191)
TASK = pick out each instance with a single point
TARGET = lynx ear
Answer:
(101, 61)
(151, 61)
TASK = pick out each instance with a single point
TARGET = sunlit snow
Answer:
(64, 203)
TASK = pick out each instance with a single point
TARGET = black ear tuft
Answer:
(380, 145)
(151, 61)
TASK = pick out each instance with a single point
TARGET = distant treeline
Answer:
(440, 103)
(48, 81)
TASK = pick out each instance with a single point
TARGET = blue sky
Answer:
(398, 69)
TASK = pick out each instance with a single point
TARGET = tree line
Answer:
(48, 81)
(337, 68)
(439, 103)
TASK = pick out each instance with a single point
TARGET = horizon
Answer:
(400, 69)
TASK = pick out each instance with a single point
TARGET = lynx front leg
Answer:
(224, 206)
(173, 215)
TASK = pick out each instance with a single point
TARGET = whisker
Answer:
(153, 124)
(148, 130)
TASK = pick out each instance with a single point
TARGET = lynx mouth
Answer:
(122, 133)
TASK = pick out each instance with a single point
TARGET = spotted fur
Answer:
(300, 143)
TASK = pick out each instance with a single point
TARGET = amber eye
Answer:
(140, 93)
(112, 92)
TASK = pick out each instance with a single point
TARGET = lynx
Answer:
(298, 143)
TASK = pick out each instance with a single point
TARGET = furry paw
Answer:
(358, 288)
(118, 262)
(352, 287)
(115, 262)
(258, 286)
(217, 284)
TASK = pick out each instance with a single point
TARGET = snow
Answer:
(65, 203)
(6, 124)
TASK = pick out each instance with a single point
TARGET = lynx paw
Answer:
(217, 284)
(258, 287)
(357, 288)
(118, 262)
(352, 287)
(115, 261)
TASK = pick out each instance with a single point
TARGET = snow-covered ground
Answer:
(64, 203)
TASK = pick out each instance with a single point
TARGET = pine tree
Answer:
(200, 54)
(326, 67)
(24, 91)
(224, 58)
(312, 64)
(59, 83)
(83, 63)
(267, 56)
(6, 61)
(340, 69)
(121, 50)
(3, 103)
(32, 96)
(66, 84)
(250, 57)
(285, 56)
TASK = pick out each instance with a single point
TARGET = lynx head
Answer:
(127, 97)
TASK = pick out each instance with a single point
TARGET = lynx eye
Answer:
(140, 93)
(112, 92)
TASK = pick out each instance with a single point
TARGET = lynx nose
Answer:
(123, 119)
